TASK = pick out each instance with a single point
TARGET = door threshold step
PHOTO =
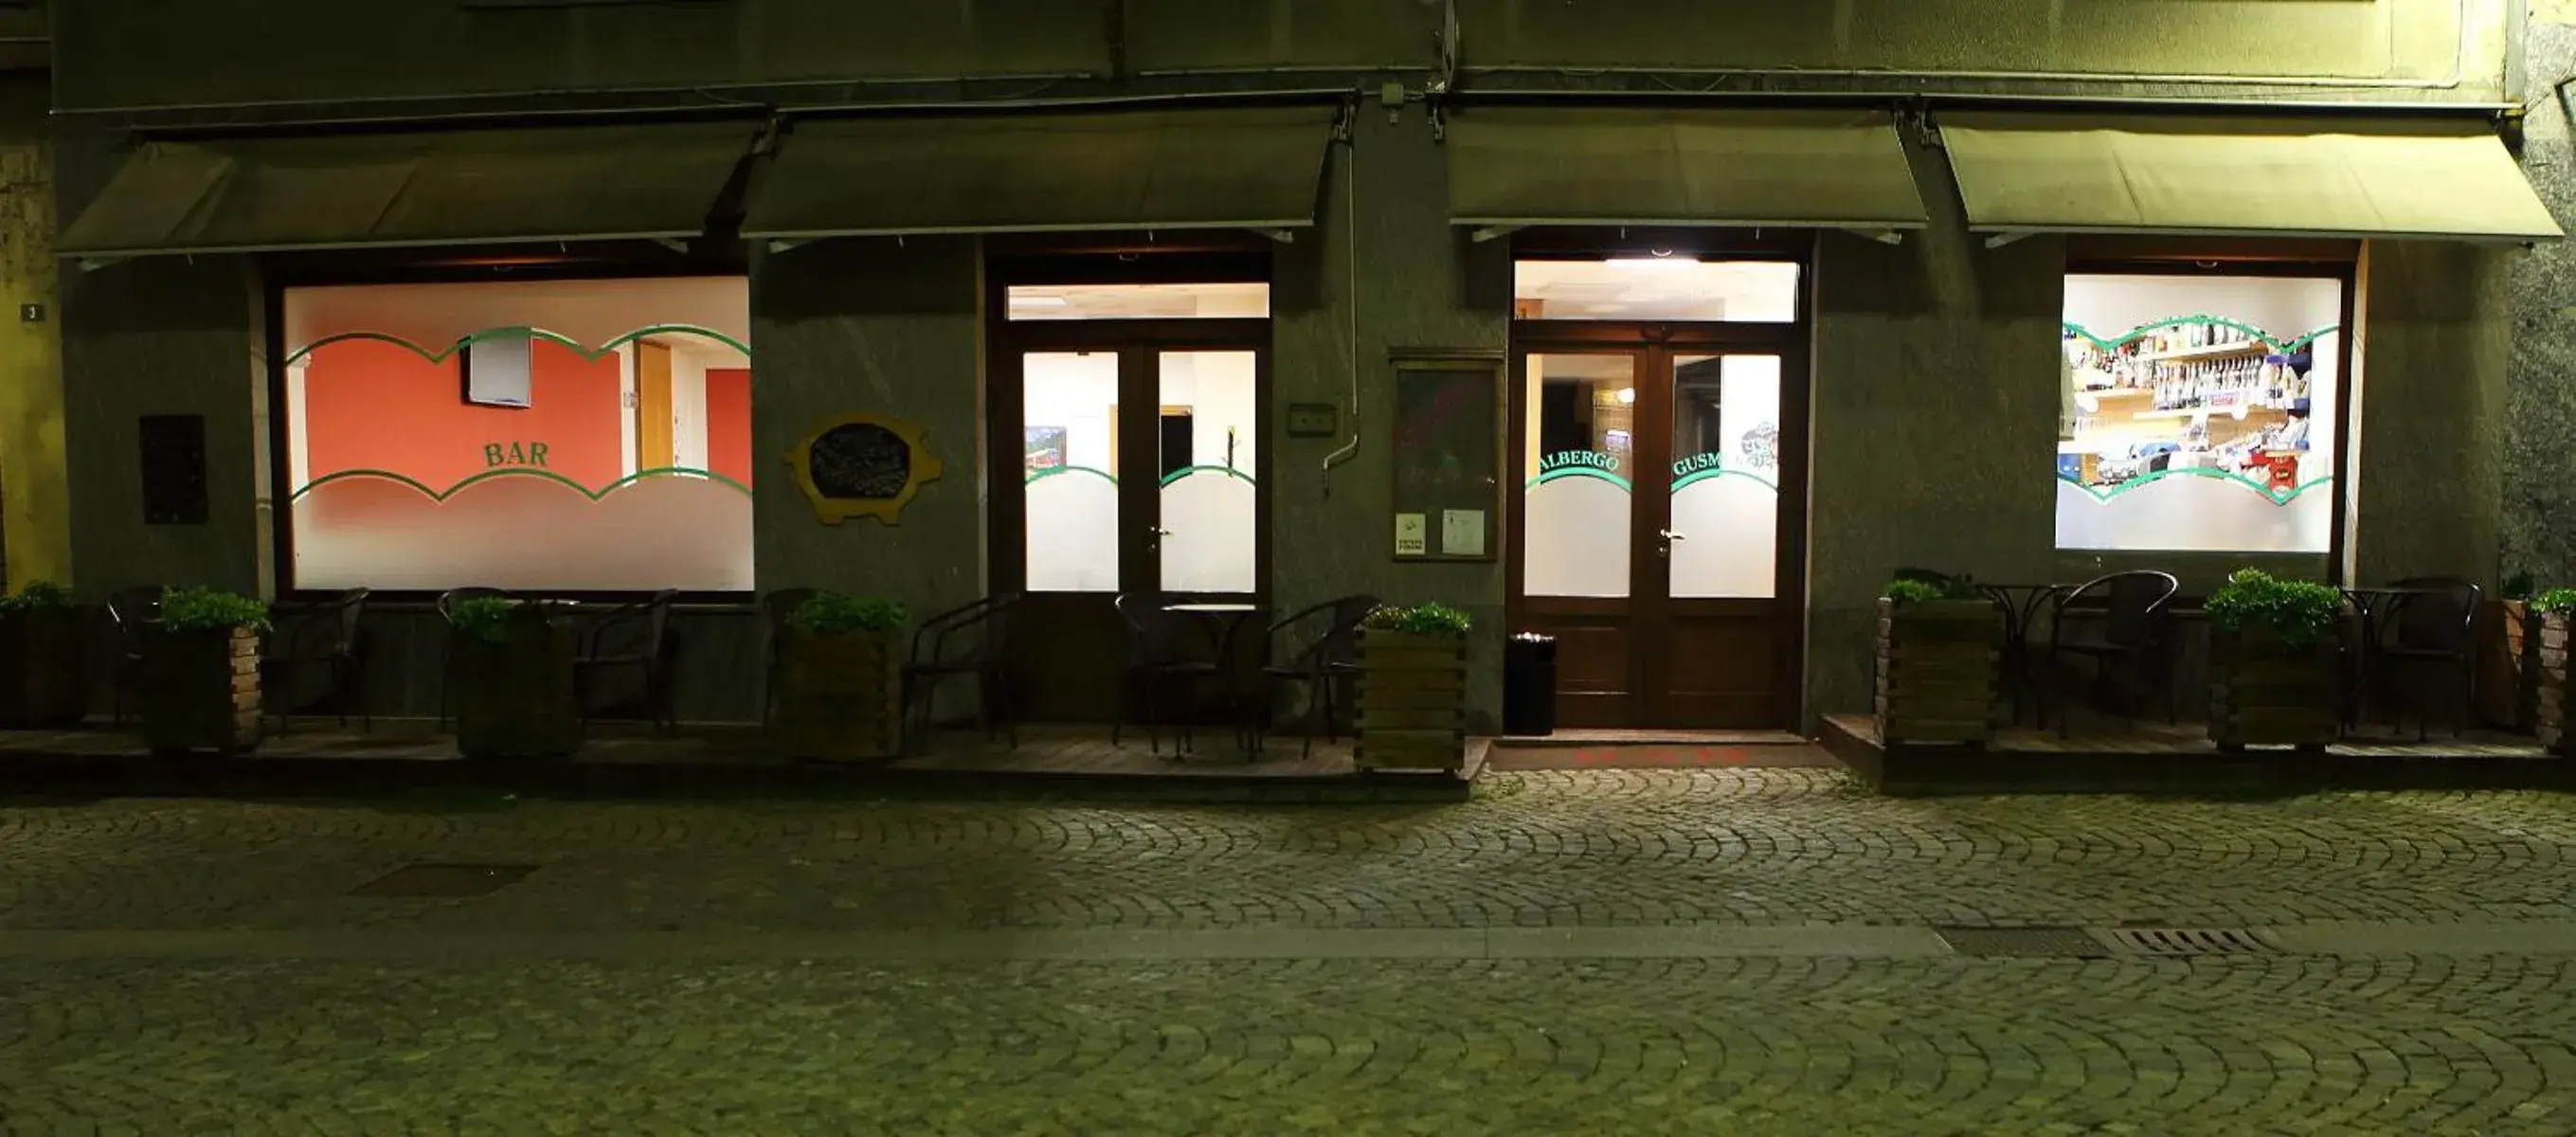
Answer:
(1625, 737)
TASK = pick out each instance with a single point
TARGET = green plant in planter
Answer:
(38, 596)
(2555, 600)
(1418, 620)
(486, 618)
(42, 643)
(200, 684)
(2259, 606)
(209, 610)
(835, 614)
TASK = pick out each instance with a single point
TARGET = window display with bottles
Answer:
(2199, 413)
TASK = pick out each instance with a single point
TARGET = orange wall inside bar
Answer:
(371, 405)
(729, 422)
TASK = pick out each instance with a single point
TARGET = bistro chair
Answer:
(968, 640)
(1321, 666)
(2126, 627)
(1157, 654)
(630, 637)
(133, 609)
(2428, 624)
(449, 659)
(776, 609)
(329, 636)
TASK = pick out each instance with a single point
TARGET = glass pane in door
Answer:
(1071, 401)
(1726, 476)
(1579, 448)
(1208, 424)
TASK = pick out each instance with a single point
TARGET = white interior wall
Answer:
(2108, 306)
(1078, 392)
(298, 452)
(1221, 391)
(688, 409)
(626, 400)
(588, 312)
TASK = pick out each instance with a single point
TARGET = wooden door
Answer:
(654, 449)
(1659, 529)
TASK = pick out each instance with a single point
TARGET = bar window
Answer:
(2199, 414)
(542, 436)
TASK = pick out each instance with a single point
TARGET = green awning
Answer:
(2258, 176)
(1213, 168)
(353, 191)
(1517, 166)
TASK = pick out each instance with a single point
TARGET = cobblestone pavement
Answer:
(278, 1039)
(1742, 1046)
(1570, 848)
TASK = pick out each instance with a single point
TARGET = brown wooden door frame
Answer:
(1648, 621)
(1069, 643)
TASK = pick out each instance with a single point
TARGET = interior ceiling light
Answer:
(1661, 259)
(1627, 395)
(1041, 301)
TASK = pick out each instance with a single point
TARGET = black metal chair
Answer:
(968, 640)
(630, 637)
(448, 659)
(2127, 628)
(329, 636)
(776, 609)
(1157, 654)
(2429, 622)
(133, 609)
(1329, 655)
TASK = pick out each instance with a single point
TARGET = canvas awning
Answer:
(2317, 177)
(1210, 168)
(354, 191)
(1517, 166)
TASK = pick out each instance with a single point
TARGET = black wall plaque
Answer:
(861, 461)
(174, 469)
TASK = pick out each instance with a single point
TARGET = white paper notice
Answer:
(1412, 531)
(1462, 532)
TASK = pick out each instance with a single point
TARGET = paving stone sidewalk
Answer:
(1763, 1046)
(1535, 849)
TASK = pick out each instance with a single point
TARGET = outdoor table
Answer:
(2020, 605)
(1226, 620)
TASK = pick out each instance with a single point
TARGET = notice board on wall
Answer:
(1448, 455)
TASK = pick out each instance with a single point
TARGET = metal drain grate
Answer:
(2191, 941)
(2061, 943)
(438, 880)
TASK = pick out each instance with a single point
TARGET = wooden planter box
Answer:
(2265, 694)
(1412, 702)
(837, 697)
(2508, 665)
(43, 651)
(1937, 670)
(516, 698)
(201, 690)
(2550, 710)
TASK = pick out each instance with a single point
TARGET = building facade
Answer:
(1671, 329)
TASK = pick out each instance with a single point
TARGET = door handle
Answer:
(1669, 535)
(1158, 531)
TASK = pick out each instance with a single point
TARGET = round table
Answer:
(1227, 618)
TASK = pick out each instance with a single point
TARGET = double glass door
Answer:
(1662, 510)
(1138, 471)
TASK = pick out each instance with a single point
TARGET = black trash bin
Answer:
(1529, 685)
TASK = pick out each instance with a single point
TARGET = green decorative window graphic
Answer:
(2252, 333)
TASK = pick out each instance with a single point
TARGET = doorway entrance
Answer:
(1663, 518)
(1127, 459)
